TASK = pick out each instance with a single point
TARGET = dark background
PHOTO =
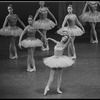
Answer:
(58, 9)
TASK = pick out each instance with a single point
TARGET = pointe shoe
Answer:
(74, 57)
(29, 69)
(58, 90)
(47, 48)
(43, 49)
(46, 90)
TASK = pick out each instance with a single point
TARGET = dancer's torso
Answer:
(92, 7)
(43, 13)
(12, 20)
(31, 32)
(58, 49)
(71, 20)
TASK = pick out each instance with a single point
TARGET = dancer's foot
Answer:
(29, 69)
(34, 68)
(74, 57)
(46, 90)
(43, 49)
(59, 91)
(47, 48)
(10, 56)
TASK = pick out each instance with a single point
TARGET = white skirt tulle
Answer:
(11, 31)
(45, 24)
(58, 62)
(72, 31)
(90, 17)
(26, 43)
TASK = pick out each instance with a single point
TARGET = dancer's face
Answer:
(64, 39)
(41, 3)
(69, 9)
(10, 9)
(30, 21)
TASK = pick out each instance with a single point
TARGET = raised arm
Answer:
(79, 24)
(21, 22)
(85, 7)
(37, 13)
(55, 41)
(52, 15)
(69, 38)
(64, 22)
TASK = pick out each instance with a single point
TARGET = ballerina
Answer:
(44, 23)
(92, 16)
(30, 43)
(71, 28)
(57, 62)
(12, 30)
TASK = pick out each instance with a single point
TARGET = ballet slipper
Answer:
(46, 90)
(47, 48)
(59, 91)
(74, 57)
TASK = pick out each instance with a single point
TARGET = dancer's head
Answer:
(41, 3)
(30, 19)
(10, 8)
(70, 9)
(64, 39)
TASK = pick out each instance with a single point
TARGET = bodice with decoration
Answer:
(71, 20)
(12, 20)
(43, 12)
(92, 6)
(31, 31)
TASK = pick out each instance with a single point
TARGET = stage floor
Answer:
(82, 80)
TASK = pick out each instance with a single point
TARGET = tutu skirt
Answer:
(11, 31)
(26, 43)
(58, 62)
(45, 24)
(72, 31)
(90, 16)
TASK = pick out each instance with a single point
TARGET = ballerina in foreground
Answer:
(57, 62)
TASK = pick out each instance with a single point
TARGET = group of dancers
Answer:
(68, 33)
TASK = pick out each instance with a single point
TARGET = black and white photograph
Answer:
(49, 50)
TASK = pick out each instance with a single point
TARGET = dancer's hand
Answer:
(19, 45)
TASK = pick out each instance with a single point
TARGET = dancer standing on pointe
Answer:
(12, 30)
(72, 29)
(92, 16)
(44, 23)
(30, 43)
(57, 62)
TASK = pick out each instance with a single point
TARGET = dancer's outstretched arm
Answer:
(21, 22)
(69, 38)
(24, 31)
(64, 22)
(52, 16)
(55, 41)
(79, 24)
(5, 22)
(85, 7)
(37, 13)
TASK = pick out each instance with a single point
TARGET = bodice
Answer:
(92, 7)
(58, 50)
(12, 20)
(71, 20)
(31, 32)
(43, 13)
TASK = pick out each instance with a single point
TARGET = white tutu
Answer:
(90, 16)
(72, 31)
(11, 31)
(29, 42)
(58, 61)
(46, 24)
